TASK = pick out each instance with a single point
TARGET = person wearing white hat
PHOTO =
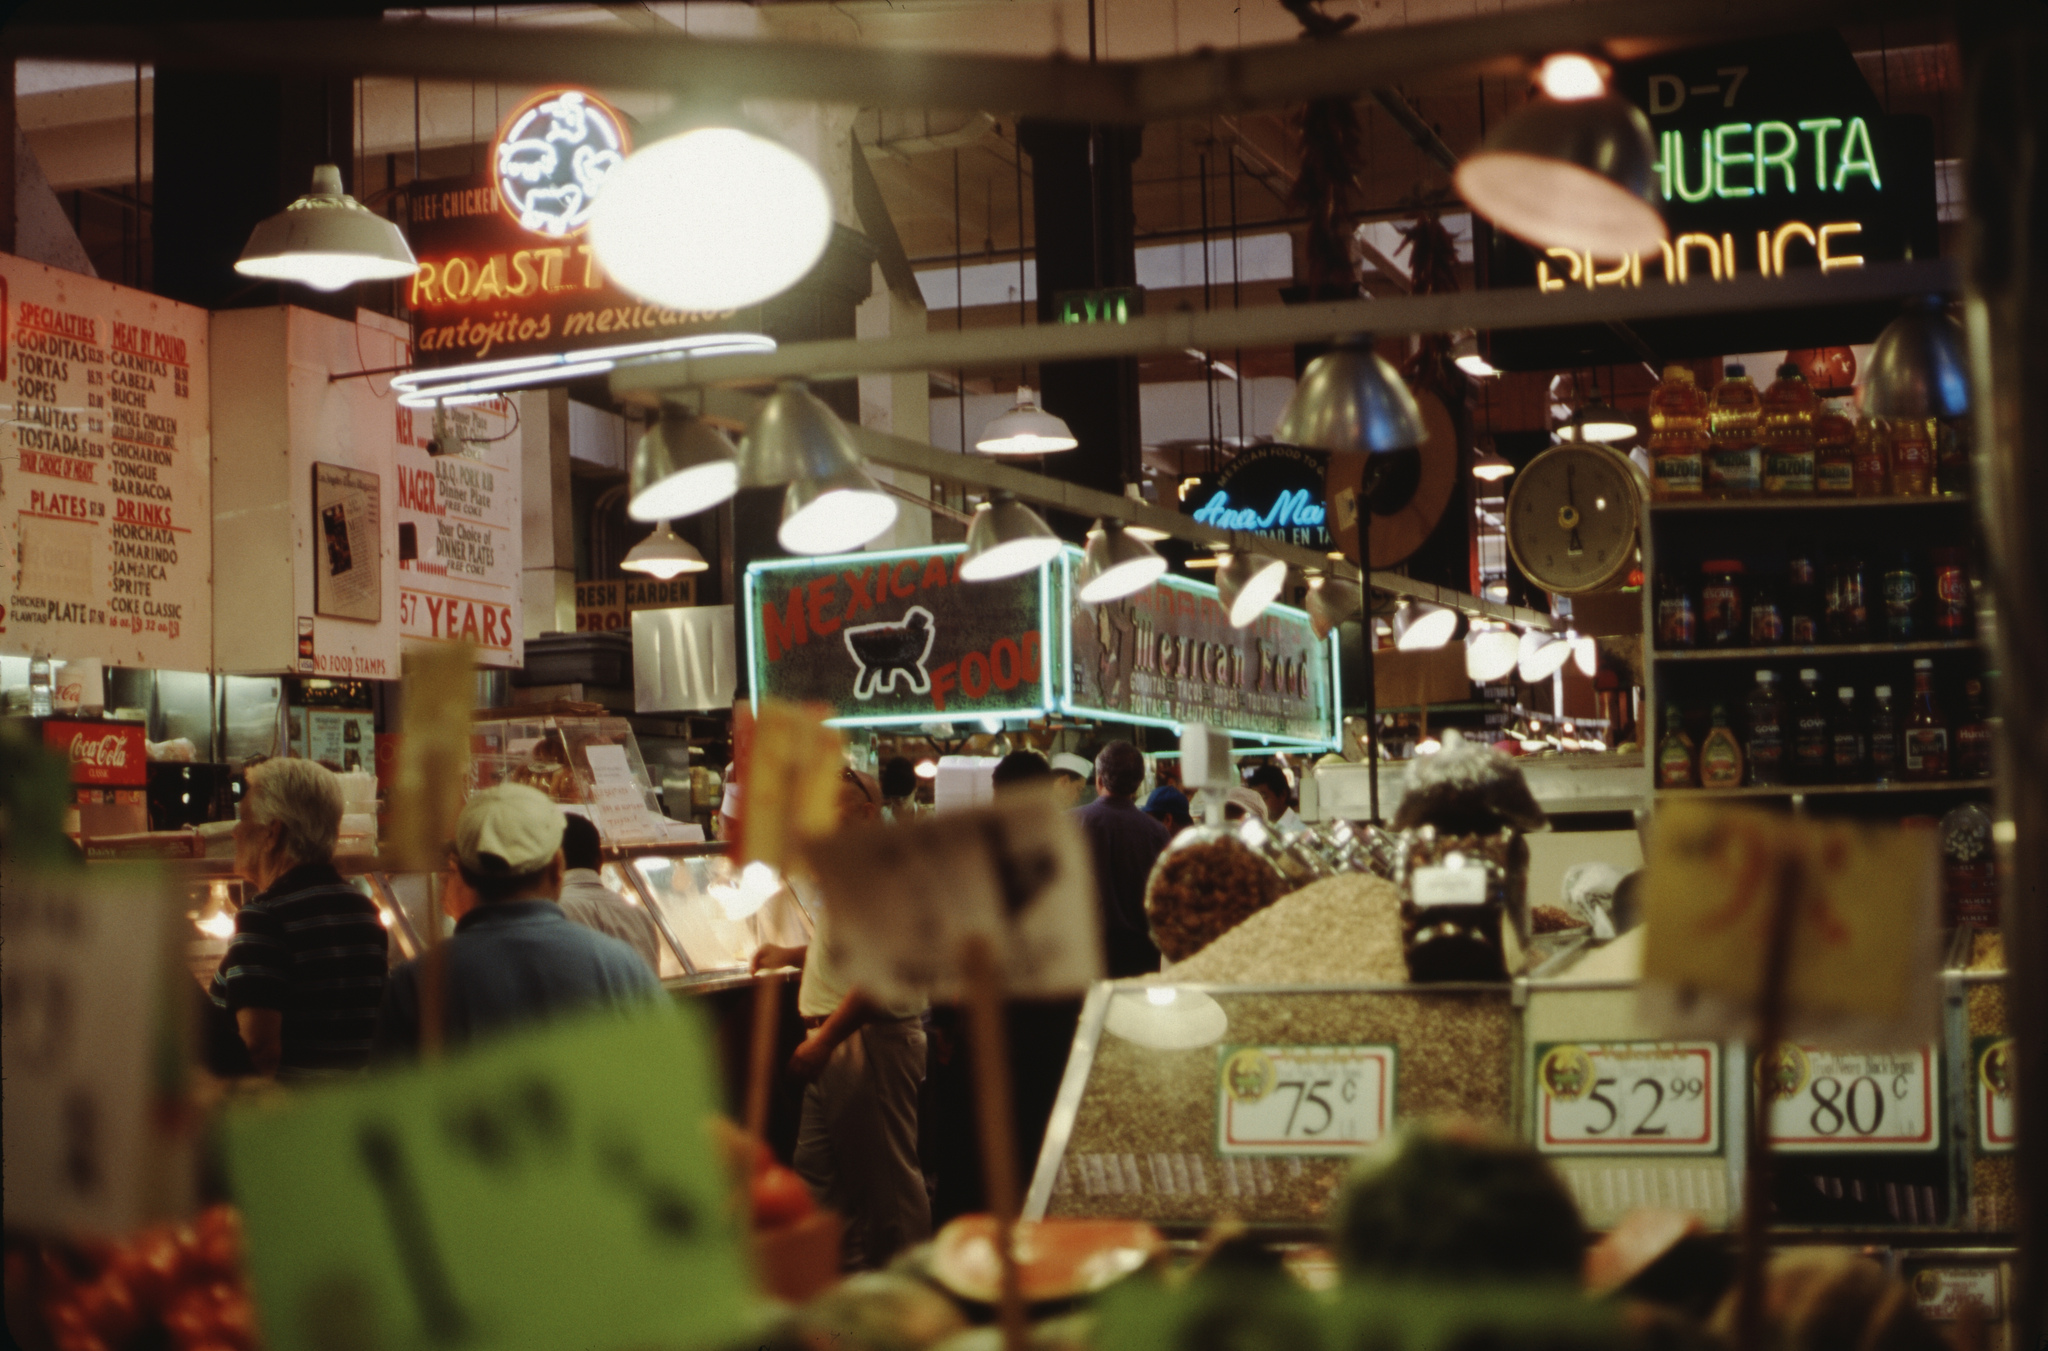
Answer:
(1073, 775)
(515, 958)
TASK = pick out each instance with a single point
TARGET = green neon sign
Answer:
(1744, 159)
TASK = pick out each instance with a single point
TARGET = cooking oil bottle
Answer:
(1678, 435)
(1734, 416)
(1788, 408)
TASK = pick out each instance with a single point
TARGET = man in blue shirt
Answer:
(1125, 843)
(515, 957)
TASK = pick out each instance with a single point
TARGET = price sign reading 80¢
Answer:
(1824, 1102)
(1303, 1099)
(1629, 1097)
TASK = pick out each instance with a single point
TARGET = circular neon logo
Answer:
(552, 157)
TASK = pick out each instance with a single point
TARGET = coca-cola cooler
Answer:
(109, 773)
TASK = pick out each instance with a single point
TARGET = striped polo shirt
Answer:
(313, 948)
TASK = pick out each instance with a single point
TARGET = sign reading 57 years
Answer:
(106, 511)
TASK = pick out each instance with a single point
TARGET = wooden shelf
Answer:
(1805, 653)
(1801, 503)
(1833, 789)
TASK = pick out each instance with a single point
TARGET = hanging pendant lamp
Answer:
(1331, 601)
(711, 217)
(1541, 656)
(681, 466)
(1422, 627)
(1026, 429)
(1005, 539)
(1574, 169)
(1490, 654)
(1351, 401)
(1920, 365)
(1491, 466)
(1116, 564)
(663, 554)
(1247, 583)
(832, 504)
(1598, 422)
(1467, 357)
(326, 240)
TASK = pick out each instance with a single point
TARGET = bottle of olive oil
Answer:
(1720, 754)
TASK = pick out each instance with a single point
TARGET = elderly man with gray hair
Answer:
(304, 973)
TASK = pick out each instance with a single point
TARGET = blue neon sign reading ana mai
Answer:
(1294, 507)
(1741, 159)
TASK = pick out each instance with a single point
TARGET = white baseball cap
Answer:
(508, 831)
(1071, 763)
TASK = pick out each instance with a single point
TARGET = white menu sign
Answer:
(106, 513)
(458, 532)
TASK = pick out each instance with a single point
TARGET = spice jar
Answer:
(1677, 616)
(1724, 618)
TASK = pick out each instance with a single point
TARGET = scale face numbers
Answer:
(1572, 518)
(1628, 1097)
(1303, 1099)
(1831, 1102)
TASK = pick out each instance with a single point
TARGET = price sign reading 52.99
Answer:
(1303, 1099)
(1628, 1097)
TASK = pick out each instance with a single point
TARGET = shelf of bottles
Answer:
(1812, 637)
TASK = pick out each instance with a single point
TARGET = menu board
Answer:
(458, 532)
(1168, 656)
(106, 512)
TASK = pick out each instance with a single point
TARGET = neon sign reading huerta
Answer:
(1294, 507)
(1742, 159)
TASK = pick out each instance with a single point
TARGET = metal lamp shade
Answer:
(1006, 538)
(1247, 584)
(1351, 401)
(834, 514)
(682, 465)
(1116, 564)
(1577, 175)
(663, 554)
(1331, 601)
(1491, 654)
(1541, 656)
(1026, 429)
(1600, 423)
(1422, 627)
(794, 436)
(326, 240)
(1920, 366)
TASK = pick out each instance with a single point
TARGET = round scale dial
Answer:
(1572, 518)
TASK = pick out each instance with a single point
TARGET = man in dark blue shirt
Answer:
(515, 957)
(1125, 843)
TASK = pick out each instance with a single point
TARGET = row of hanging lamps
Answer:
(663, 554)
(1575, 168)
(714, 215)
(1247, 583)
(326, 240)
(1026, 429)
(1006, 538)
(1116, 563)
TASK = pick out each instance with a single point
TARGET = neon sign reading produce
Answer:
(1741, 160)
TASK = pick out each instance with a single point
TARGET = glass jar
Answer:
(1464, 903)
(1205, 883)
(1724, 604)
(1677, 616)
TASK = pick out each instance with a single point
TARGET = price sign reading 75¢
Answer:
(1303, 1099)
(1628, 1097)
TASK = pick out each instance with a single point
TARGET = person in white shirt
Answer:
(865, 1062)
(588, 901)
(1270, 783)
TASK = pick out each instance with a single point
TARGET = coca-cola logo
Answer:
(107, 752)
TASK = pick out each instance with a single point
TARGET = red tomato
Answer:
(780, 1198)
(218, 1240)
(191, 1317)
(236, 1318)
(109, 1308)
(152, 1267)
(81, 1341)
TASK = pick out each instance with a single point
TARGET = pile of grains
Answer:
(1144, 1140)
(1341, 930)
(1202, 890)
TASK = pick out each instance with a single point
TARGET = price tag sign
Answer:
(1827, 1102)
(1303, 1099)
(1991, 1085)
(903, 899)
(550, 1191)
(1947, 1294)
(1628, 1097)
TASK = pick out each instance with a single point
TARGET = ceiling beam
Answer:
(1194, 85)
(1281, 326)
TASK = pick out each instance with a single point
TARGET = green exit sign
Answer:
(1114, 305)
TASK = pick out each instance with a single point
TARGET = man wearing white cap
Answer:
(1073, 775)
(515, 957)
